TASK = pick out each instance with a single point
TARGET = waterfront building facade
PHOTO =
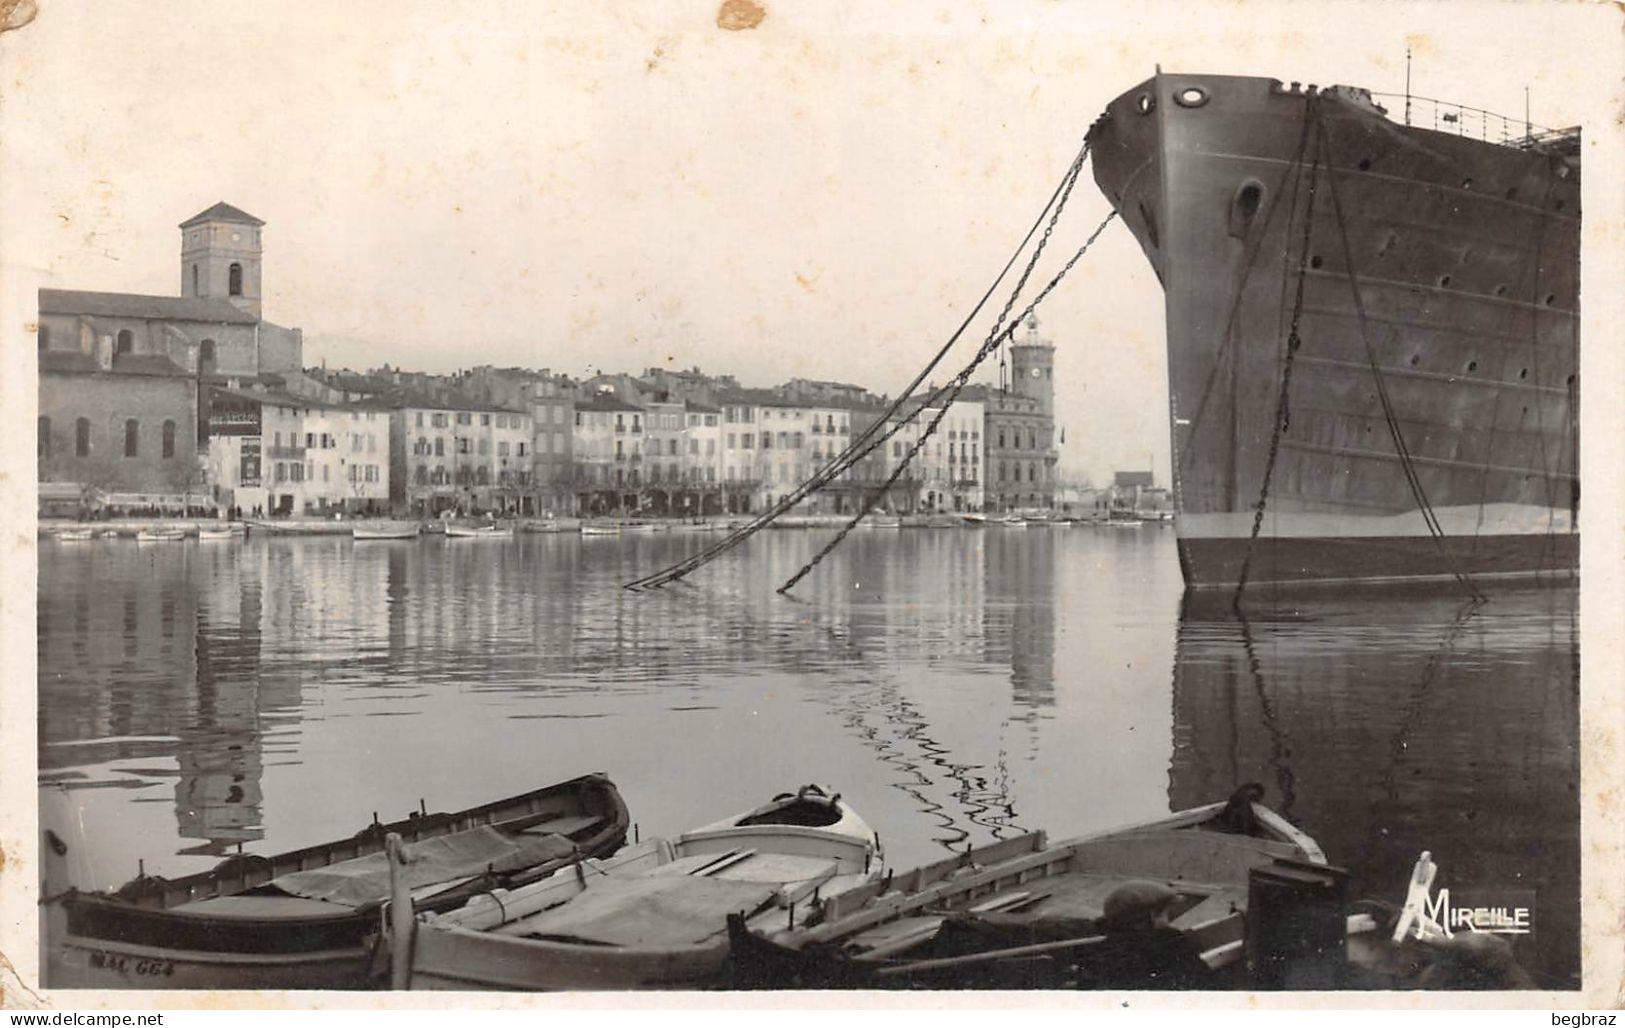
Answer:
(951, 460)
(608, 459)
(116, 431)
(450, 454)
(277, 454)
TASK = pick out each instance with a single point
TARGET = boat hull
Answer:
(800, 846)
(154, 939)
(1440, 271)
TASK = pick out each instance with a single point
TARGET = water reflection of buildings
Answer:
(1387, 726)
(1019, 613)
(148, 655)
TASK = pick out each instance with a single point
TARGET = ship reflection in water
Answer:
(957, 686)
(1390, 724)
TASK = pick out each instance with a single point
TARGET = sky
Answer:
(618, 186)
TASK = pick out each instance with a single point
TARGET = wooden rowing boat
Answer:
(1022, 913)
(159, 535)
(652, 917)
(74, 535)
(215, 534)
(386, 530)
(309, 919)
(457, 531)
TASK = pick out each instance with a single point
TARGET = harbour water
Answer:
(956, 685)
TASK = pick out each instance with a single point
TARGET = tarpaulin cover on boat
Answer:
(364, 880)
(652, 911)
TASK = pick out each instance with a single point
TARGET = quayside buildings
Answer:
(197, 403)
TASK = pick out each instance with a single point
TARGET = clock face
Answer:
(1036, 372)
(236, 237)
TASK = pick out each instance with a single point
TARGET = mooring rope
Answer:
(958, 383)
(887, 424)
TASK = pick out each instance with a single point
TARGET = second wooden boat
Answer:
(308, 919)
(1022, 913)
(652, 917)
(377, 530)
(457, 531)
(159, 535)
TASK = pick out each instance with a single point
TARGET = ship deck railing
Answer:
(1477, 123)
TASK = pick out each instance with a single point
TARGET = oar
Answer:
(971, 959)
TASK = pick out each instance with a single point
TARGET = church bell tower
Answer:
(221, 257)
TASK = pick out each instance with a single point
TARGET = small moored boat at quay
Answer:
(455, 530)
(652, 917)
(1025, 913)
(160, 535)
(74, 535)
(309, 919)
(381, 530)
(600, 528)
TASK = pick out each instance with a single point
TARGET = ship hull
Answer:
(1438, 273)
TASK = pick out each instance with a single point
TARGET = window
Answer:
(502, 449)
(767, 440)
(310, 440)
(169, 440)
(420, 420)
(132, 437)
(126, 342)
(205, 356)
(44, 439)
(439, 446)
(485, 420)
(521, 450)
(710, 447)
(462, 444)
(485, 447)
(324, 471)
(195, 291)
(671, 449)
(234, 279)
(43, 336)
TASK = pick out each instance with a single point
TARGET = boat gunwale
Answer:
(369, 840)
(878, 903)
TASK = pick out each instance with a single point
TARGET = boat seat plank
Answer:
(686, 866)
(568, 824)
(781, 869)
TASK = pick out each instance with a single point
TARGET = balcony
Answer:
(285, 452)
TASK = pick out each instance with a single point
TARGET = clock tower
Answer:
(1032, 363)
(220, 257)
